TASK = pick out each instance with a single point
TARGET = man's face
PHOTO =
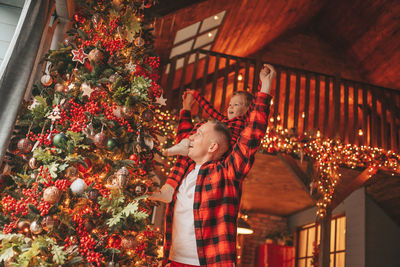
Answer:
(201, 141)
(237, 107)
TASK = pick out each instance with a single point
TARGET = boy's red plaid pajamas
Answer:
(218, 189)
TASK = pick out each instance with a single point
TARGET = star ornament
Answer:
(87, 90)
(161, 100)
(79, 55)
(55, 114)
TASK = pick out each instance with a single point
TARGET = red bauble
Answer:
(114, 241)
(82, 168)
(134, 157)
(25, 145)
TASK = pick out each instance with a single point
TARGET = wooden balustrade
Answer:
(305, 101)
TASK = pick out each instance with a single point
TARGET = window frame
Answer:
(317, 227)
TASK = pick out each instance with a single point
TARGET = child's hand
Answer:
(187, 100)
(267, 75)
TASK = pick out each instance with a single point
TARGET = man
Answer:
(201, 219)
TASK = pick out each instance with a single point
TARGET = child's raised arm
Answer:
(206, 106)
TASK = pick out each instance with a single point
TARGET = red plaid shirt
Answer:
(236, 125)
(218, 190)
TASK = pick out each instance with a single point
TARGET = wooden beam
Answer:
(359, 181)
(325, 240)
(302, 177)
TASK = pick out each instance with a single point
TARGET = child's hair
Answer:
(247, 96)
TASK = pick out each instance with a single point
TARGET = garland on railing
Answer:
(328, 155)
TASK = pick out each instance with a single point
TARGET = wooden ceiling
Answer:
(272, 188)
(366, 31)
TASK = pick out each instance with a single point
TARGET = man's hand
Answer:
(187, 99)
(267, 75)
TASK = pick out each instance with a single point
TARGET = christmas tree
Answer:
(74, 188)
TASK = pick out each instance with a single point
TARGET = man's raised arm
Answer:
(240, 160)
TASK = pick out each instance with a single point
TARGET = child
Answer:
(236, 119)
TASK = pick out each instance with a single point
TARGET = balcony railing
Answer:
(305, 101)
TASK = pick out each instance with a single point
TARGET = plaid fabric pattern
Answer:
(236, 125)
(218, 191)
(186, 128)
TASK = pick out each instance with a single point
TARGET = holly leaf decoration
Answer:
(59, 255)
(6, 254)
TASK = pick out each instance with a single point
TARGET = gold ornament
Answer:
(48, 222)
(139, 41)
(23, 227)
(128, 111)
(59, 88)
(33, 163)
(96, 55)
(52, 194)
(25, 145)
(129, 242)
(46, 80)
(71, 172)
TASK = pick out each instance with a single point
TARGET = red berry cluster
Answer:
(42, 138)
(16, 209)
(62, 184)
(153, 62)
(77, 117)
(31, 195)
(79, 18)
(44, 208)
(105, 37)
(108, 113)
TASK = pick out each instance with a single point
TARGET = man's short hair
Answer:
(224, 134)
(248, 97)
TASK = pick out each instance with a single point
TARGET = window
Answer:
(306, 237)
(10, 11)
(338, 242)
(308, 234)
(200, 35)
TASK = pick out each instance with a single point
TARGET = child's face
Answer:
(237, 107)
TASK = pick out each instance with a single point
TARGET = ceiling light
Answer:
(216, 17)
(240, 77)
(210, 34)
(243, 227)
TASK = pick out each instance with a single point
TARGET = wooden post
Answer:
(225, 85)
(325, 240)
(296, 115)
(335, 130)
(277, 93)
(316, 103)
(326, 106)
(346, 130)
(355, 138)
(306, 104)
(287, 98)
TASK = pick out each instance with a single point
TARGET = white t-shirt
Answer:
(184, 248)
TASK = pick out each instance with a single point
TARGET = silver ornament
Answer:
(78, 186)
(36, 228)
